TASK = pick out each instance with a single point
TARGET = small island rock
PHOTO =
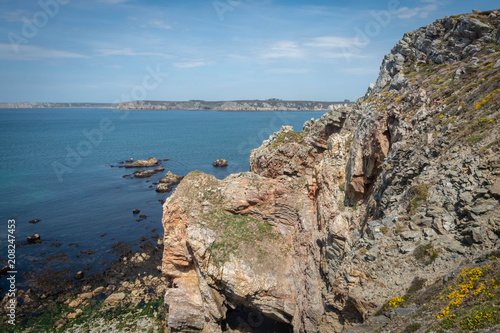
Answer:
(34, 239)
(220, 163)
(143, 163)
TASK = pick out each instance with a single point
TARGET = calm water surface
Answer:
(55, 167)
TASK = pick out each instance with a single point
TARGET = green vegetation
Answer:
(420, 194)
(288, 137)
(234, 231)
(125, 317)
(425, 254)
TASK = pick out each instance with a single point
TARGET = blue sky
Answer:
(106, 50)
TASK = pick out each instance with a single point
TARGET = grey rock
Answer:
(410, 235)
(403, 312)
(483, 208)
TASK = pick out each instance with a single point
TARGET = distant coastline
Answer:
(194, 105)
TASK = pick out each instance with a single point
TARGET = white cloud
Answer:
(422, 12)
(290, 70)
(130, 52)
(190, 64)
(31, 52)
(330, 42)
(283, 49)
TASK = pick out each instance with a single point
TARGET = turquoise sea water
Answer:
(55, 166)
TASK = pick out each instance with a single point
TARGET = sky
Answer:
(120, 50)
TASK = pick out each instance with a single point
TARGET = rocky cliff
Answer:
(362, 218)
(247, 105)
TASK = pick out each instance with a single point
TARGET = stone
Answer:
(34, 239)
(220, 163)
(497, 64)
(136, 211)
(35, 221)
(168, 181)
(79, 275)
(114, 298)
(483, 208)
(495, 188)
(410, 235)
(144, 173)
(143, 163)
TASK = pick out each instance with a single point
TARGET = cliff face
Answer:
(334, 221)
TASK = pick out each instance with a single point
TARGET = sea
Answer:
(61, 166)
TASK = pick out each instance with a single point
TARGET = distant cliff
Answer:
(244, 105)
(27, 105)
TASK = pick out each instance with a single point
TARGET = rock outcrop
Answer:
(150, 162)
(367, 203)
(167, 182)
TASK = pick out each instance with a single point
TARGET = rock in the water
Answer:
(144, 173)
(167, 182)
(79, 275)
(35, 221)
(34, 239)
(136, 211)
(220, 163)
(143, 163)
(160, 169)
(4, 270)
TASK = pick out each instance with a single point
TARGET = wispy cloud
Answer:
(32, 52)
(290, 70)
(12, 16)
(283, 49)
(190, 64)
(131, 53)
(330, 42)
(422, 12)
(151, 23)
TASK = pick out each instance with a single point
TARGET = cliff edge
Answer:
(361, 221)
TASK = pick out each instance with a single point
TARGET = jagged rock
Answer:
(355, 206)
(136, 211)
(167, 182)
(35, 221)
(143, 163)
(220, 163)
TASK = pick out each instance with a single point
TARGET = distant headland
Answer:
(273, 104)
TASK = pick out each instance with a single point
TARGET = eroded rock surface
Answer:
(334, 221)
